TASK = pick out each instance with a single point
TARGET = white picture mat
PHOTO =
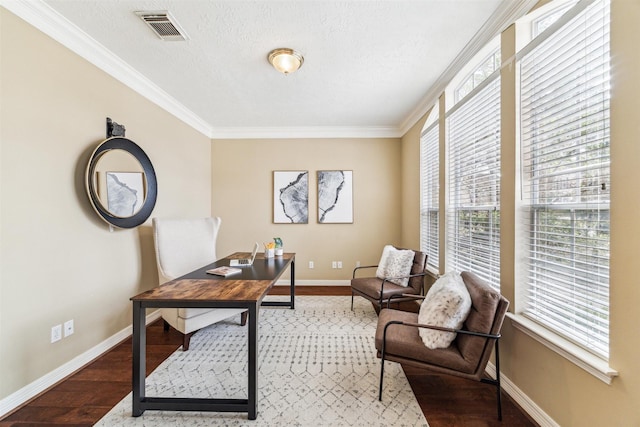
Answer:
(342, 211)
(281, 180)
(133, 184)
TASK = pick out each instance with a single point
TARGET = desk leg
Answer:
(253, 362)
(293, 283)
(139, 357)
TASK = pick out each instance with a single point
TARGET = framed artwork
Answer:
(291, 197)
(335, 197)
(125, 193)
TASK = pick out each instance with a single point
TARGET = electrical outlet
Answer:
(310, 264)
(334, 264)
(56, 333)
(339, 264)
(68, 328)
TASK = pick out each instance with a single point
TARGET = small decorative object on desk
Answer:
(279, 250)
(224, 271)
(269, 249)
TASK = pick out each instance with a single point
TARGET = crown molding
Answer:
(305, 132)
(40, 15)
(507, 14)
(44, 18)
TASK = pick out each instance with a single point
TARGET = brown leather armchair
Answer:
(397, 338)
(379, 291)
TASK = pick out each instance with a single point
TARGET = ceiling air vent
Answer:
(164, 25)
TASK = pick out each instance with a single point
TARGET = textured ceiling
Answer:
(368, 64)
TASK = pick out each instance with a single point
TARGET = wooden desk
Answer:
(202, 290)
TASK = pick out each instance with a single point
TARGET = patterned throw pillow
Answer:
(447, 304)
(395, 263)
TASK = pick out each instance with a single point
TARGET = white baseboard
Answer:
(527, 405)
(31, 390)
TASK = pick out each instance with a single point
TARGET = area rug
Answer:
(317, 367)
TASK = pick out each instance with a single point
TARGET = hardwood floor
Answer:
(87, 395)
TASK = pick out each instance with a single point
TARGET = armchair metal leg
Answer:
(382, 353)
(498, 382)
(381, 379)
(351, 300)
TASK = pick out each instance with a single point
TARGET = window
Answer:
(545, 21)
(430, 192)
(564, 105)
(473, 177)
(487, 67)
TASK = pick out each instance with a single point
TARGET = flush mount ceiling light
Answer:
(285, 60)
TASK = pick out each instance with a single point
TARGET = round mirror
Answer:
(121, 183)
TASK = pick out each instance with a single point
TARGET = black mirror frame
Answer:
(119, 143)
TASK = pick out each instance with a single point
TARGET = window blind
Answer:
(430, 192)
(473, 176)
(564, 107)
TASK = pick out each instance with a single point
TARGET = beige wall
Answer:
(58, 260)
(567, 393)
(625, 206)
(242, 188)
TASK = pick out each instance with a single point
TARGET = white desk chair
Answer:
(184, 245)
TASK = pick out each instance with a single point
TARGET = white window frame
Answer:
(480, 73)
(534, 324)
(552, 15)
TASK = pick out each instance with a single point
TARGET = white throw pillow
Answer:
(447, 304)
(395, 263)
